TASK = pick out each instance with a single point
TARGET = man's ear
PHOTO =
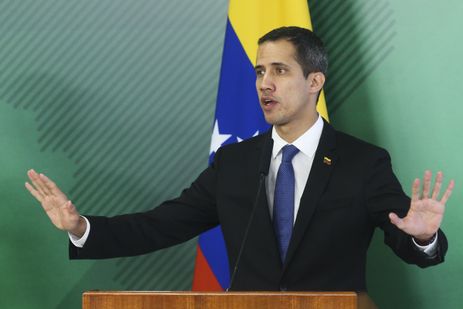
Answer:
(316, 80)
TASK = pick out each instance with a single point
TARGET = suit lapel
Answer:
(323, 164)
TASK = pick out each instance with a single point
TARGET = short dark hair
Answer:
(310, 51)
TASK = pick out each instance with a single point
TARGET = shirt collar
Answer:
(307, 143)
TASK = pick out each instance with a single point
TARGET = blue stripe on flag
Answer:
(213, 247)
(238, 113)
(238, 110)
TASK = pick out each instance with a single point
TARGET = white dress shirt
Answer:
(80, 242)
(307, 144)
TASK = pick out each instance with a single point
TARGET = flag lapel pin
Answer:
(326, 160)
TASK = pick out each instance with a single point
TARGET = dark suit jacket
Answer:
(341, 205)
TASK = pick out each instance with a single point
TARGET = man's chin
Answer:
(269, 117)
(269, 120)
(273, 121)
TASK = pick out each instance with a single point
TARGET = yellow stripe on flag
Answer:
(251, 19)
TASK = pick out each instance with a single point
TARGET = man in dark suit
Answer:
(311, 225)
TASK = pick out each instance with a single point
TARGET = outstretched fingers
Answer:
(38, 183)
(427, 183)
(447, 192)
(437, 186)
(416, 190)
(49, 185)
(35, 193)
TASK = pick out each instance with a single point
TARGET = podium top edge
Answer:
(192, 293)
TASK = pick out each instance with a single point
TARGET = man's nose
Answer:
(267, 83)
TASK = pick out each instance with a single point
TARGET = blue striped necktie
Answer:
(283, 205)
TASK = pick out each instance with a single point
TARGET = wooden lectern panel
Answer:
(226, 300)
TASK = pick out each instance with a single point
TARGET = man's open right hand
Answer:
(57, 206)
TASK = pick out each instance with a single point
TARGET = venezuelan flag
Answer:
(238, 115)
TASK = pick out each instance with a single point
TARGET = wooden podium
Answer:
(226, 300)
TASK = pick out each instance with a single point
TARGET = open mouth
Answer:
(267, 101)
(268, 104)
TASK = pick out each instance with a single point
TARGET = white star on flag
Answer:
(239, 139)
(217, 138)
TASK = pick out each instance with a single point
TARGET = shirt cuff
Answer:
(80, 242)
(430, 249)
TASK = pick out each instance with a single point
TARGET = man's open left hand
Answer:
(426, 212)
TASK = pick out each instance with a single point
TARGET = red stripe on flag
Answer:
(204, 279)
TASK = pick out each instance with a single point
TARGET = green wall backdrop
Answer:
(115, 101)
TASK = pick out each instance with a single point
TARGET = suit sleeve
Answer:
(171, 223)
(384, 194)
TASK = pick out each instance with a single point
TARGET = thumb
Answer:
(396, 220)
(70, 209)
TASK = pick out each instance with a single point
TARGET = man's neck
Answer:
(290, 133)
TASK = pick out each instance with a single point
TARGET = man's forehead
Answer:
(275, 52)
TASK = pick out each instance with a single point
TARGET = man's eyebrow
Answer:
(279, 64)
(273, 64)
